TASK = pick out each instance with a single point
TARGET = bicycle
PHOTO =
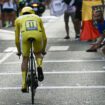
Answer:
(31, 80)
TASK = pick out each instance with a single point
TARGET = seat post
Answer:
(31, 51)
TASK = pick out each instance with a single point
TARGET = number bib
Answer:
(31, 25)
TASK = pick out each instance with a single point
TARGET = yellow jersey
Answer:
(29, 25)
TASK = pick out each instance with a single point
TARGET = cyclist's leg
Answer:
(38, 45)
(39, 60)
(24, 67)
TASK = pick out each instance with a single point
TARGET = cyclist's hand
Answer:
(18, 54)
(44, 53)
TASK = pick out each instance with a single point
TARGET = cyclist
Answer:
(30, 26)
(98, 18)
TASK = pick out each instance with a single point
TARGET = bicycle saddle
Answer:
(31, 39)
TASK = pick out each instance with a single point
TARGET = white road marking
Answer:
(6, 31)
(6, 56)
(7, 73)
(7, 53)
(56, 87)
(58, 48)
(56, 72)
(10, 49)
(60, 61)
(71, 60)
(74, 72)
(72, 87)
(8, 63)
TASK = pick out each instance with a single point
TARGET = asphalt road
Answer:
(72, 76)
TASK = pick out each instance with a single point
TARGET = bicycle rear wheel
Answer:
(32, 69)
(32, 87)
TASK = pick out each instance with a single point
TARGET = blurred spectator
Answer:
(47, 3)
(89, 32)
(15, 3)
(98, 18)
(0, 19)
(1, 12)
(78, 17)
(21, 4)
(71, 12)
(57, 7)
(0, 16)
(9, 13)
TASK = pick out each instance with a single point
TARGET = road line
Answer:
(56, 87)
(7, 74)
(67, 61)
(10, 49)
(7, 31)
(72, 87)
(58, 48)
(6, 56)
(74, 72)
(61, 72)
(61, 61)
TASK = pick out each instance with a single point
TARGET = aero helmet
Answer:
(27, 10)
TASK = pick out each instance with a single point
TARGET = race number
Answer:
(31, 25)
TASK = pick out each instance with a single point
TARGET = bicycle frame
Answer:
(32, 71)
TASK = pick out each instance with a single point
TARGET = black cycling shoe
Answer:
(44, 53)
(24, 90)
(66, 37)
(40, 74)
(91, 50)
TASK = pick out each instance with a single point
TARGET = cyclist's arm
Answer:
(98, 43)
(102, 2)
(17, 35)
(44, 35)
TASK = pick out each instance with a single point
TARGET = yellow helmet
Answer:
(27, 10)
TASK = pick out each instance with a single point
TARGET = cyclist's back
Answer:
(29, 25)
